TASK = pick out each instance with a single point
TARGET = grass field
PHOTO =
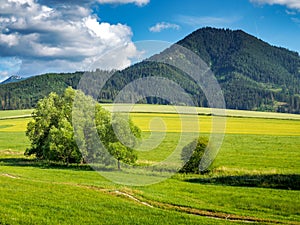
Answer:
(169, 109)
(15, 113)
(255, 178)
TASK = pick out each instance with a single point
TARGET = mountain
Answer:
(26, 93)
(253, 75)
(12, 79)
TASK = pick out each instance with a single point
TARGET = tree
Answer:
(118, 134)
(51, 133)
(122, 153)
(46, 116)
(62, 143)
(191, 155)
(53, 138)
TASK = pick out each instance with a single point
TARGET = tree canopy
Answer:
(52, 135)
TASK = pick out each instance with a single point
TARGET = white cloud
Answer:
(296, 20)
(137, 2)
(3, 76)
(63, 39)
(163, 26)
(292, 4)
(290, 12)
(9, 39)
(87, 3)
(206, 21)
(9, 66)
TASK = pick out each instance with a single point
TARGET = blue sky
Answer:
(39, 36)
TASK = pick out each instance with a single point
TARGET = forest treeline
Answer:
(253, 75)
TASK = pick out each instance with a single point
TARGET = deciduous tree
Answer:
(52, 135)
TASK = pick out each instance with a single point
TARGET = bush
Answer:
(191, 155)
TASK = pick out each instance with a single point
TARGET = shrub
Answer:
(191, 155)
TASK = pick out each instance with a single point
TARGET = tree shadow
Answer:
(276, 181)
(44, 164)
(29, 162)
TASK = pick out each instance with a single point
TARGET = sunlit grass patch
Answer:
(15, 113)
(14, 125)
(13, 142)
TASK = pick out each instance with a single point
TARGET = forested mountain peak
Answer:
(258, 70)
(223, 48)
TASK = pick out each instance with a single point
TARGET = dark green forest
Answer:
(25, 94)
(253, 75)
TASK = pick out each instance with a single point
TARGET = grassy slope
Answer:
(79, 195)
(38, 202)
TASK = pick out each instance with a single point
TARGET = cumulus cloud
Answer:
(163, 26)
(9, 65)
(59, 39)
(90, 2)
(292, 4)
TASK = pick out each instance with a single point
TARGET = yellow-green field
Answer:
(14, 125)
(234, 125)
(173, 123)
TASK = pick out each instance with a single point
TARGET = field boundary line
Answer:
(15, 117)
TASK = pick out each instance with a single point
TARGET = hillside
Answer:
(253, 75)
(25, 94)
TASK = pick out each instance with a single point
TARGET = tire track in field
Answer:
(194, 211)
(204, 213)
(168, 206)
(9, 175)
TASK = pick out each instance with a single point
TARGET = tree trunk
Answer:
(119, 165)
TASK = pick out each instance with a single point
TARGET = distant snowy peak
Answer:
(12, 79)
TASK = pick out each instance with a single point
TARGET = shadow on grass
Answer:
(276, 181)
(43, 164)
(26, 162)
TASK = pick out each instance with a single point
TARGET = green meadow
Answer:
(15, 113)
(255, 177)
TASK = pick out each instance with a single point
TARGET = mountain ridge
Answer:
(253, 74)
